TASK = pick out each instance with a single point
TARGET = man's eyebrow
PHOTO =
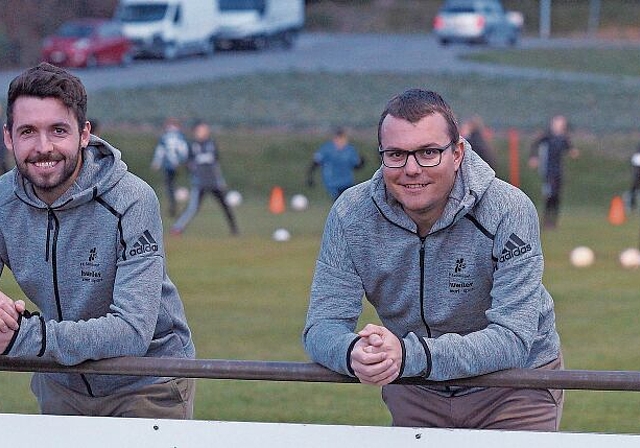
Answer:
(423, 146)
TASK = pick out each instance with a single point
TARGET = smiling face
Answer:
(422, 192)
(46, 143)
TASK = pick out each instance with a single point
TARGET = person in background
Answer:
(474, 132)
(451, 259)
(338, 160)
(547, 154)
(83, 238)
(206, 177)
(4, 154)
(635, 179)
(170, 152)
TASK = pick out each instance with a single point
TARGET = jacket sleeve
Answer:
(129, 326)
(335, 303)
(518, 302)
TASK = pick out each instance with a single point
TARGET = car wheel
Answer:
(260, 43)
(288, 38)
(127, 59)
(209, 47)
(170, 51)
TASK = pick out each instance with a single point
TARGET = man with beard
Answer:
(83, 238)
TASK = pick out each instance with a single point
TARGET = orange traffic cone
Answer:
(616, 211)
(276, 201)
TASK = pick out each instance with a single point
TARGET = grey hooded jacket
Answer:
(465, 300)
(93, 263)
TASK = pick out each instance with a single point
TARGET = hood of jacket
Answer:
(102, 168)
(472, 180)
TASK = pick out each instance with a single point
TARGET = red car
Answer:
(87, 43)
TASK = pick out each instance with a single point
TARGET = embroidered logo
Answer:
(90, 269)
(145, 244)
(460, 282)
(514, 248)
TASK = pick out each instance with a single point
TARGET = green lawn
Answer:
(618, 61)
(246, 297)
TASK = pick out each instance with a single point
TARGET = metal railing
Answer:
(309, 372)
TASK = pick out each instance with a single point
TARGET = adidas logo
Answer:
(514, 247)
(145, 244)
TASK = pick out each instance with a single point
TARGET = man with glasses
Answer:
(451, 259)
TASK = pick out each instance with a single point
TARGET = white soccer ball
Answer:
(281, 235)
(582, 256)
(233, 198)
(182, 194)
(630, 258)
(299, 202)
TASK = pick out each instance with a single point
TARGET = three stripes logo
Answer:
(145, 244)
(514, 248)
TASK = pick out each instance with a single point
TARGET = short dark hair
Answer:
(48, 81)
(415, 104)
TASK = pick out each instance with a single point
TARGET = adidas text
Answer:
(515, 252)
(139, 250)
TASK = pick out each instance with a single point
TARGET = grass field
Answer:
(246, 297)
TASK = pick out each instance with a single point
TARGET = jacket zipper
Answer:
(54, 225)
(422, 273)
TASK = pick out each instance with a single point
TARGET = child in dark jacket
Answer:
(206, 176)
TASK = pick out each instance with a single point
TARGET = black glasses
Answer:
(425, 157)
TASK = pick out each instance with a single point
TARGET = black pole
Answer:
(309, 372)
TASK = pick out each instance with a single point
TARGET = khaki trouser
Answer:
(489, 408)
(170, 400)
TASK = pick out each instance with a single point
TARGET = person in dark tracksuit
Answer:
(547, 154)
(206, 177)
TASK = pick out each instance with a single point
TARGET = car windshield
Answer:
(459, 9)
(75, 30)
(142, 12)
(242, 5)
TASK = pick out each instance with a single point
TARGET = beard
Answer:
(48, 184)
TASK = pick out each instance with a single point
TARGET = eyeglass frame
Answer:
(413, 153)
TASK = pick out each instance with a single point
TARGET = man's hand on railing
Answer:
(377, 357)
(9, 313)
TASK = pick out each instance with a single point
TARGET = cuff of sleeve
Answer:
(349, 350)
(417, 359)
(7, 350)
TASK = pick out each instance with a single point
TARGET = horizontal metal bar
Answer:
(309, 372)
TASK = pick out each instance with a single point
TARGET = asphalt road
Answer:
(335, 53)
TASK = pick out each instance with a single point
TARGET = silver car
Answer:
(477, 21)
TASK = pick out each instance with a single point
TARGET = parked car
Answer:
(87, 43)
(477, 21)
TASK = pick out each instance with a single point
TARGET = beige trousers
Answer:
(490, 408)
(170, 400)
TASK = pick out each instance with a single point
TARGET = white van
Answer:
(169, 28)
(257, 23)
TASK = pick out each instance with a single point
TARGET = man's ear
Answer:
(85, 134)
(6, 133)
(458, 153)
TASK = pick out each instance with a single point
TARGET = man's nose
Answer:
(412, 166)
(44, 143)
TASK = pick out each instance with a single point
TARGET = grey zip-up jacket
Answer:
(465, 300)
(93, 262)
